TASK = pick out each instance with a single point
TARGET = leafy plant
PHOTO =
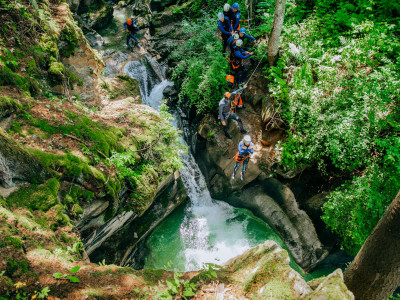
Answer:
(69, 277)
(102, 263)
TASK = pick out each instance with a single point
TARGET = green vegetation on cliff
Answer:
(336, 85)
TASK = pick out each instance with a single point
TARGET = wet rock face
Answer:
(117, 240)
(275, 204)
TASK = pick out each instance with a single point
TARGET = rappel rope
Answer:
(257, 66)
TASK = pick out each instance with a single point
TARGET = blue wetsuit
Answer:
(236, 20)
(243, 153)
(132, 29)
(239, 55)
(226, 28)
(231, 43)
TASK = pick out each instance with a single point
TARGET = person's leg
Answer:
(225, 128)
(235, 168)
(127, 39)
(245, 163)
(134, 38)
(243, 74)
(224, 43)
(237, 76)
(239, 121)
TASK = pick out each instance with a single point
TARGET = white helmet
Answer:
(239, 43)
(247, 139)
(221, 16)
(236, 37)
(227, 7)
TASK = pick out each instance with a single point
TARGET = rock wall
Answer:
(116, 240)
(266, 197)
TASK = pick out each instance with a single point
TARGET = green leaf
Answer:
(73, 279)
(75, 269)
(145, 288)
(137, 291)
(57, 275)
(188, 293)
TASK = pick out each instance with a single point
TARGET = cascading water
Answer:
(208, 231)
(151, 88)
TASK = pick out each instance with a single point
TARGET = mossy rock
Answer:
(20, 163)
(36, 197)
(15, 242)
(57, 69)
(120, 87)
(69, 40)
(8, 106)
(16, 268)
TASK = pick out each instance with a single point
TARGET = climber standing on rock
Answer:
(131, 28)
(226, 30)
(227, 110)
(236, 18)
(237, 64)
(243, 156)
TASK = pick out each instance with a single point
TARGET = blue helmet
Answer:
(242, 30)
(235, 6)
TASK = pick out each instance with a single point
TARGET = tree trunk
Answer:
(273, 43)
(375, 272)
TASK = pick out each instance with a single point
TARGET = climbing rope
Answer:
(257, 66)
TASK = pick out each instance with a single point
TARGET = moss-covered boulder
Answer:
(36, 197)
(332, 288)
(100, 16)
(18, 164)
(263, 272)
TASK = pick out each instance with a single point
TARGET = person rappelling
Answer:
(226, 30)
(246, 149)
(227, 109)
(131, 28)
(237, 64)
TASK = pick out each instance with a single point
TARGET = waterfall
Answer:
(210, 231)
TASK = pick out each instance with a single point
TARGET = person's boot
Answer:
(242, 176)
(233, 175)
(244, 131)
(228, 135)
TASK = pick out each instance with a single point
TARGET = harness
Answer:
(240, 157)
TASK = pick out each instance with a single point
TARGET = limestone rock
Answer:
(117, 240)
(332, 288)
(264, 272)
(275, 204)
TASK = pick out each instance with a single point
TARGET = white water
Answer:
(209, 232)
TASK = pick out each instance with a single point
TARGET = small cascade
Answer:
(210, 231)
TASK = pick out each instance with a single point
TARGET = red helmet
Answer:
(129, 21)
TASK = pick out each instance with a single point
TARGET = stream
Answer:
(203, 230)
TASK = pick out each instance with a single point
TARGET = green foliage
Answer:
(338, 93)
(201, 68)
(36, 197)
(157, 157)
(69, 277)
